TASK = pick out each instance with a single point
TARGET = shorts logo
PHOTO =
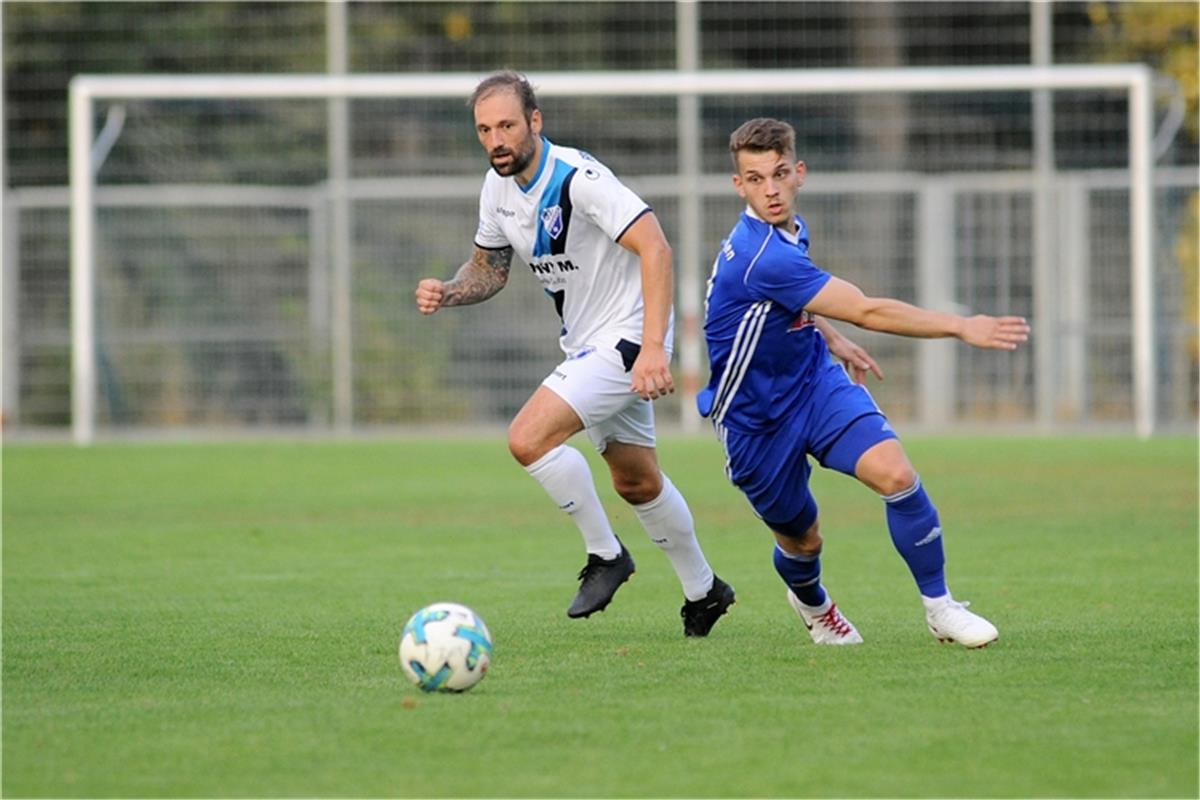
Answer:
(587, 351)
(552, 221)
(591, 174)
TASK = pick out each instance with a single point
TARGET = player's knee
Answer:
(800, 536)
(895, 478)
(885, 468)
(807, 542)
(638, 489)
(525, 449)
(811, 543)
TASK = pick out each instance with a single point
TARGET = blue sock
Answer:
(802, 574)
(917, 534)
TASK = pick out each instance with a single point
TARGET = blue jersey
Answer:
(764, 350)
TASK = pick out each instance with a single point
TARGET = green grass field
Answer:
(221, 620)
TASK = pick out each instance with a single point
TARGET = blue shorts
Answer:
(837, 422)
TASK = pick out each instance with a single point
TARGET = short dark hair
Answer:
(761, 135)
(506, 81)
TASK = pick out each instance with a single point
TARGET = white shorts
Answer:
(595, 384)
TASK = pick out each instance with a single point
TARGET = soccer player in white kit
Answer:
(601, 256)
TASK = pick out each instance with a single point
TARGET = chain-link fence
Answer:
(213, 250)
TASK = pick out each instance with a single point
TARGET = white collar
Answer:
(794, 238)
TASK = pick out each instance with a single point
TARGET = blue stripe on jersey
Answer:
(554, 212)
(527, 188)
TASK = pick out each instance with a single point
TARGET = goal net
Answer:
(245, 249)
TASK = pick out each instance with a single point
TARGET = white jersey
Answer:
(565, 225)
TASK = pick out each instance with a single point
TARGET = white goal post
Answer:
(1135, 80)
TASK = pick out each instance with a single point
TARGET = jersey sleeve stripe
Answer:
(640, 214)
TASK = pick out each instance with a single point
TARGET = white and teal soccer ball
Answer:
(445, 647)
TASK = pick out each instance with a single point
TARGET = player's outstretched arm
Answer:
(476, 280)
(997, 333)
(843, 300)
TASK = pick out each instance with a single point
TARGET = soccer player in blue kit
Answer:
(601, 256)
(776, 396)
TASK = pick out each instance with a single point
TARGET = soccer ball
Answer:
(445, 647)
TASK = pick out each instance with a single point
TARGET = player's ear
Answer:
(738, 187)
(535, 121)
(801, 171)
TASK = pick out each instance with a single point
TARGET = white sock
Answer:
(668, 521)
(566, 477)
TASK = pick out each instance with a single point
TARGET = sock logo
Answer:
(929, 537)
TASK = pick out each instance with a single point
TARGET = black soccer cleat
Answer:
(600, 580)
(699, 616)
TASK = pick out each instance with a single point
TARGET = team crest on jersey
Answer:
(805, 320)
(552, 221)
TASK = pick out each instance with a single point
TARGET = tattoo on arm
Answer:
(480, 278)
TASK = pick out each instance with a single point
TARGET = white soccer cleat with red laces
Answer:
(826, 625)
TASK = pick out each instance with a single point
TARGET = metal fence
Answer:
(216, 305)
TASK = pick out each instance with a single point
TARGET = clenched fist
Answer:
(430, 292)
